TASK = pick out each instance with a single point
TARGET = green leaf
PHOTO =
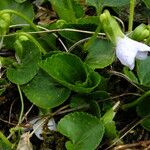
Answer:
(70, 71)
(143, 71)
(25, 8)
(79, 100)
(146, 123)
(4, 143)
(20, 1)
(143, 111)
(147, 3)
(24, 71)
(110, 127)
(101, 54)
(68, 10)
(130, 75)
(85, 131)
(94, 3)
(115, 3)
(44, 92)
(3, 85)
(89, 20)
(143, 107)
(110, 3)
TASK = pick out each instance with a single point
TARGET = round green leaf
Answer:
(85, 131)
(24, 71)
(44, 92)
(70, 71)
(101, 54)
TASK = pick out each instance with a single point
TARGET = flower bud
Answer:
(110, 26)
(140, 33)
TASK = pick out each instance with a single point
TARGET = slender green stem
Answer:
(134, 103)
(20, 15)
(57, 30)
(22, 105)
(131, 16)
(34, 41)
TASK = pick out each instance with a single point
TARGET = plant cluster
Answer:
(68, 68)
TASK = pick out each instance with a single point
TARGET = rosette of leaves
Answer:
(70, 71)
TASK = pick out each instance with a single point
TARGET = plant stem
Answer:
(22, 105)
(20, 15)
(134, 103)
(131, 15)
(58, 30)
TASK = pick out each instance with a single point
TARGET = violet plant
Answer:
(66, 70)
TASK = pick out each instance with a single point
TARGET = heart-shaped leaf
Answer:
(24, 71)
(44, 92)
(85, 131)
(101, 54)
(70, 71)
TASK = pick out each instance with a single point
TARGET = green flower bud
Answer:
(110, 26)
(140, 33)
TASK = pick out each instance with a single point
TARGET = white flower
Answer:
(127, 50)
(38, 124)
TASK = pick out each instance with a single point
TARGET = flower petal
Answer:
(38, 126)
(126, 51)
(142, 47)
(141, 55)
